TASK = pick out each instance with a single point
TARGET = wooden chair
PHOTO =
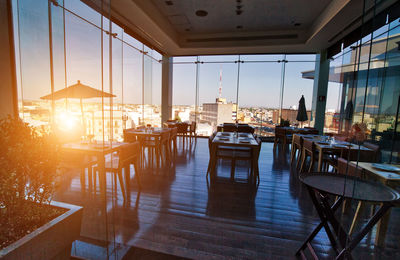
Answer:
(192, 130)
(245, 129)
(210, 139)
(281, 136)
(127, 155)
(229, 127)
(297, 145)
(182, 130)
(172, 138)
(309, 150)
(157, 148)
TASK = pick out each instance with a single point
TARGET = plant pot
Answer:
(52, 240)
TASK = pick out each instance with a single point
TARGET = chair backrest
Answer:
(172, 120)
(129, 138)
(193, 126)
(173, 132)
(229, 127)
(140, 127)
(308, 145)
(165, 125)
(312, 132)
(245, 129)
(297, 140)
(128, 153)
(280, 132)
(165, 135)
(375, 148)
(349, 168)
(182, 127)
(210, 139)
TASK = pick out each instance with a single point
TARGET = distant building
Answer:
(219, 112)
(289, 114)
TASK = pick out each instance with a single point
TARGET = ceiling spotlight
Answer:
(201, 13)
(169, 3)
(239, 27)
(297, 24)
(239, 12)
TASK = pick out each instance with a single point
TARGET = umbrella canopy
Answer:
(302, 112)
(79, 91)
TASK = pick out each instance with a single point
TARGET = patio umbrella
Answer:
(78, 91)
(302, 112)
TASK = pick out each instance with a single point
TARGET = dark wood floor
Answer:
(177, 213)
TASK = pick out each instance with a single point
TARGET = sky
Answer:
(259, 78)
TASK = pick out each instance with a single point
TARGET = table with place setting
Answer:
(99, 149)
(387, 174)
(329, 145)
(234, 140)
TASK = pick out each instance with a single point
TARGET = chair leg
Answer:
(137, 174)
(121, 184)
(357, 216)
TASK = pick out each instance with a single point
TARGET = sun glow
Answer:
(66, 121)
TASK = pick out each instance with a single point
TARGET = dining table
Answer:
(145, 134)
(98, 149)
(234, 140)
(387, 174)
(327, 145)
(322, 184)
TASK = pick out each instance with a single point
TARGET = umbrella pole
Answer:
(83, 119)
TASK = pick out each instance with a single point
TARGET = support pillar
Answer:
(166, 88)
(320, 90)
(8, 86)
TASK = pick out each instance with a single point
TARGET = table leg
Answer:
(382, 228)
(334, 207)
(378, 215)
(320, 156)
(213, 160)
(357, 216)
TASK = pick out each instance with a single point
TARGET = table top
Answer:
(386, 175)
(235, 139)
(322, 142)
(93, 147)
(350, 187)
(154, 131)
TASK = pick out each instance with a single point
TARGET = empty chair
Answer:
(309, 150)
(229, 127)
(192, 130)
(127, 155)
(245, 129)
(281, 136)
(172, 138)
(346, 168)
(297, 145)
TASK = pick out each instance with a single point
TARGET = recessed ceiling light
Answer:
(201, 13)
(239, 12)
(297, 24)
(169, 3)
(239, 27)
(187, 29)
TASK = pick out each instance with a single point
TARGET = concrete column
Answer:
(8, 84)
(320, 90)
(166, 88)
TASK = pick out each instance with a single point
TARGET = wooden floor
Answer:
(178, 213)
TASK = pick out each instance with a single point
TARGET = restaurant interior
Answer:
(229, 129)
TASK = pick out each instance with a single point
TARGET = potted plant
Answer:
(32, 226)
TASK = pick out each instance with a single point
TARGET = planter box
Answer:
(52, 240)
